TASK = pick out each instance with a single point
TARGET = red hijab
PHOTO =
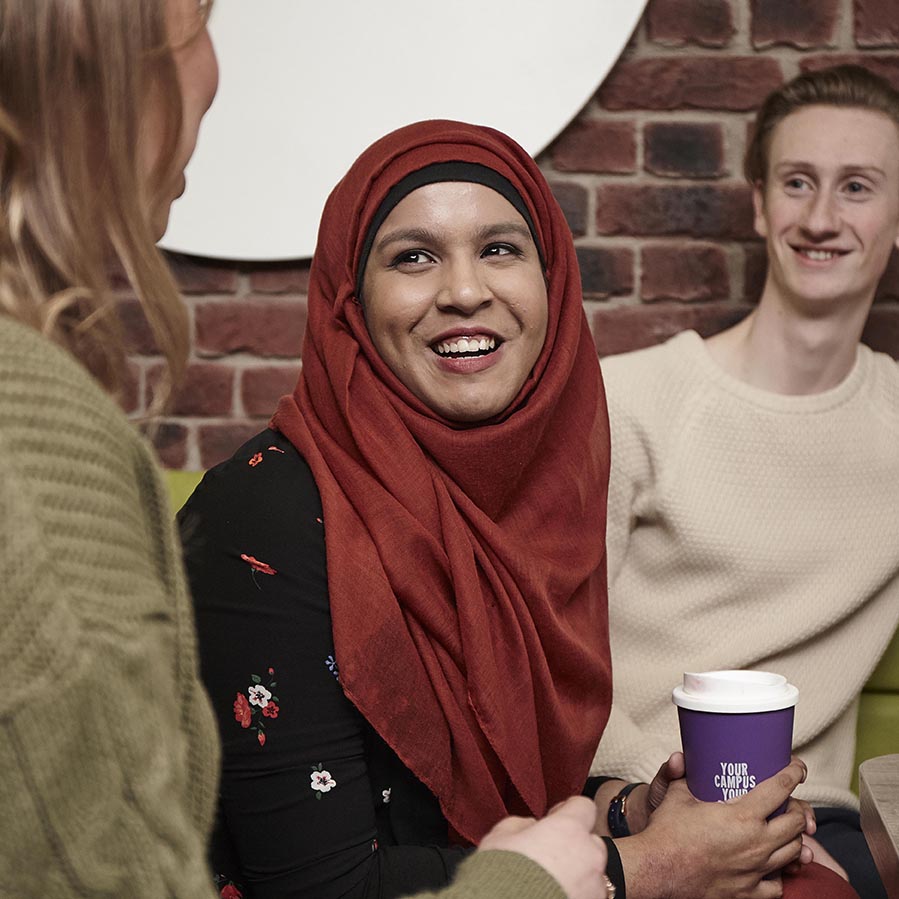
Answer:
(466, 565)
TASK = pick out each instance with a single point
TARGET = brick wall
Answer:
(648, 175)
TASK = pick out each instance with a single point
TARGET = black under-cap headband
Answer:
(471, 172)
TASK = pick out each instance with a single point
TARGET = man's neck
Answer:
(777, 348)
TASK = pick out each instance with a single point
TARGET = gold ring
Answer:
(610, 887)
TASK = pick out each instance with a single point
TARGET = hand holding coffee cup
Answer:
(736, 729)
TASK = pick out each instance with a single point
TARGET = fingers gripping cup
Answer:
(736, 728)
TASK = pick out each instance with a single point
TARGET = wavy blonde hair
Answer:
(75, 76)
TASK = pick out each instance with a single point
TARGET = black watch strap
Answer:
(617, 817)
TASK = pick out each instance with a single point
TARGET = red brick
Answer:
(280, 277)
(196, 275)
(136, 331)
(265, 327)
(877, 23)
(261, 387)
(129, 395)
(170, 440)
(622, 328)
(797, 23)
(606, 271)
(219, 441)
(596, 146)
(683, 149)
(882, 329)
(678, 272)
(573, 200)
(755, 271)
(206, 391)
(696, 210)
(674, 23)
(887, 66)
(729, 83)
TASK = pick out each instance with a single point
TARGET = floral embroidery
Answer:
(257, 703)
(385, 794)
(319, 520)
(242, 714)
(258, 695)
(256, 565)
(255, 460)
(321, 781)
(332, 667)
(275, 449)
(228, 889)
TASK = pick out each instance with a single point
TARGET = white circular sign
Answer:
(306, 86)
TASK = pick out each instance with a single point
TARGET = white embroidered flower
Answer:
(386, 795)
(322, 781)
(258, 695)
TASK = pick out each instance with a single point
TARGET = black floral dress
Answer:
(313, 803)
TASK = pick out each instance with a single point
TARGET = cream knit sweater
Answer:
(748, 529)
(108, 749)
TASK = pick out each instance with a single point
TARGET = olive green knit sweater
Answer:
(499, 874)
(108, 750)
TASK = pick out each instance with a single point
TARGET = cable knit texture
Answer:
(748, 529)
(497, 874)
(108, 748)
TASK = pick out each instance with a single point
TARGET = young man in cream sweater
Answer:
(754, 496)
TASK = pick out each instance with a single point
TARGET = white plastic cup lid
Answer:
(734, 692)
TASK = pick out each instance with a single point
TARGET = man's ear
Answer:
(758, 206)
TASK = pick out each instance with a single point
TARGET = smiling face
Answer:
(455, 299)
(829, 210)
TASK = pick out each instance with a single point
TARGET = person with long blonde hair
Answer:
(107, 744)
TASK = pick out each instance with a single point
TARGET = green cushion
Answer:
(181, 484)
(885, 678)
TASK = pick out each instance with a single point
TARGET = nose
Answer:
(464, 288)
(821, 216)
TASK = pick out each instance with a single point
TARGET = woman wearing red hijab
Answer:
(403, 626)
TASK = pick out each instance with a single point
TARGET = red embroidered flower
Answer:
(255, 460)
(271, 710)
(231, 892)
(256, 565)
(261, 738)
(242, 712)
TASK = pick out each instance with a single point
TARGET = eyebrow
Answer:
(793, 164)
(425, 235)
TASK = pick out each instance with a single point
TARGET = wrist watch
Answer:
(617, 817)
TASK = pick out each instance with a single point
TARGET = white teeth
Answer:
(465, 345)
(819, 255)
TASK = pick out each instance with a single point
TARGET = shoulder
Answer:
(883, 376)
(267, 472)
(654, 383)
(57, 424)
(265, 491)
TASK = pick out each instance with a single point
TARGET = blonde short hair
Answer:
(844, 85)
(75, 76)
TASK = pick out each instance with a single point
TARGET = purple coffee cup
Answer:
(736, 729)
